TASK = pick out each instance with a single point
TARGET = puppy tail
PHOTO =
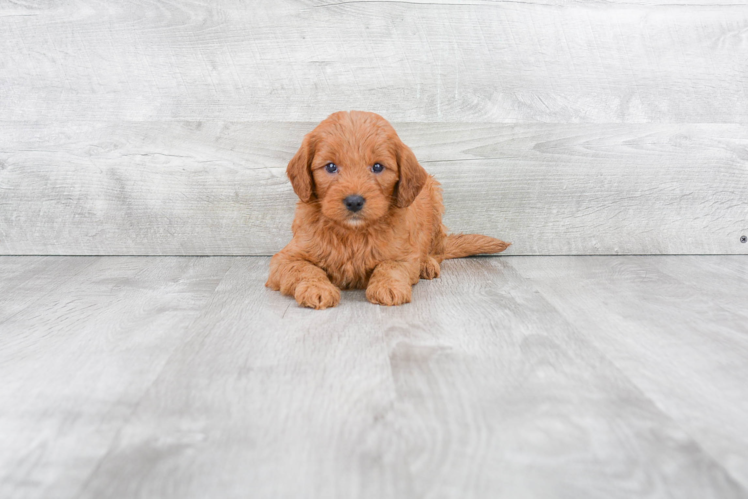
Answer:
(463, 245)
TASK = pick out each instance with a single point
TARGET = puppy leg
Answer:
(391, 283)
(430, 268)
(302, 280)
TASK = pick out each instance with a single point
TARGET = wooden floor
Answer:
(513, 376)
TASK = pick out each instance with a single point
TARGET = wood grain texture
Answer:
(25, 280)
(291, 60)
(217, 188)
(77, 360)
(675, 320)
(567, 128)
(186, 377)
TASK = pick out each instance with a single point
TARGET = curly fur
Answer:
(395, 240)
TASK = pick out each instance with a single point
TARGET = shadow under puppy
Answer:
(369, 216)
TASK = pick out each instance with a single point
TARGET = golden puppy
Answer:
(369, 216)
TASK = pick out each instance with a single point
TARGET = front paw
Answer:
(317, 295)
(430, 268)
(388, 294)
(273, 283)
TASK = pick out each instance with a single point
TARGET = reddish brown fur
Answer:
(396, 239)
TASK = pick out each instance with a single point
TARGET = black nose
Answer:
(354, 202)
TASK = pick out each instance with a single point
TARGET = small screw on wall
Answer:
(743, 239)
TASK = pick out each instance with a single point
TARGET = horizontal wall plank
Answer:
(202, 188)
(498, 62)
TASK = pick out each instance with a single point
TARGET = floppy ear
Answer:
(412, 177)
(299, 171)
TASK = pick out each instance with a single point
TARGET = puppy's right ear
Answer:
(299, 171)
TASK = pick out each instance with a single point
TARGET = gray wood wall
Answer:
(164, 127)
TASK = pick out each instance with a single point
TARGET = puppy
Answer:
(369, 216)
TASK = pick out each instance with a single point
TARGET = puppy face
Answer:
(357, 168)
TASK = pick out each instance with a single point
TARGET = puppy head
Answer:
(356, 167)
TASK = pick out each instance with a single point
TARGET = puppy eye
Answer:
(377, 167)
(331, 168)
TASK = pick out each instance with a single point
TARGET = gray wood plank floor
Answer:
(511, 376)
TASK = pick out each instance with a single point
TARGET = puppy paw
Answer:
(430, 269)
(317, 295)
(388, 294)
(272, 283)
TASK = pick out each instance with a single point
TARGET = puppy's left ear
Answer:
(412, 177)
(299, 171)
